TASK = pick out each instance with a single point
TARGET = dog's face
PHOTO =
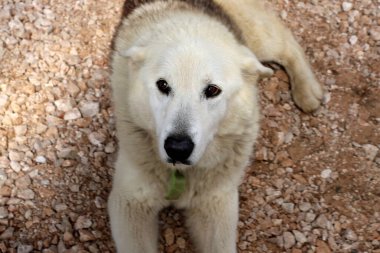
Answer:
(189, 88)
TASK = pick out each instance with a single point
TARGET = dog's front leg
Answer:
(212, 220)
(134, 222)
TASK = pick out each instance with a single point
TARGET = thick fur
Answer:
(192, 44)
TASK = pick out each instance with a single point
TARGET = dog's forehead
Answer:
(192, 63)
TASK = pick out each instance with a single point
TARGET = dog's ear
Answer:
(136, 55)
(252, 66)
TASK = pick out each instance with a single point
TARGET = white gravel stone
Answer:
(16, 155)
(7, 234)
(350, 235)
(61, 247)
(374, 33)
(96, 138)
(371, 151)
(280, 241)
(169, 236)
(72, 114)
(25, 194)
(346, 6)
(289, 170)
(40, 159)
(3, 100)
(326, 173)
(40, 128)
(3, 212)
(300, 237)
(73, 90)
(310, 217)
(99, 202)
(110, 148)
(23, 182)
(74, 188)
(82, 222)
(60, 207)
(67, 153)
(288, 207)
(24, 248)
(64, 105)
(49, 14)
(353, 39)
(20, 130)
(322, 221)
(3, 177)
(2, 50)
(305, 206)
(4, 162)
(44, 24)
(89, 109)
(49, 108)
(85, 236)
(272, 192)
(289, 240)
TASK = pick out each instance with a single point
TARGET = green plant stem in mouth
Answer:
(176, 185)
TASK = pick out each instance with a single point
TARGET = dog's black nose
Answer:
(179, 148)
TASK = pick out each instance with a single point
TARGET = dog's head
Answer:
(187, 89)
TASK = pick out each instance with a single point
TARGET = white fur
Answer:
(190, 51)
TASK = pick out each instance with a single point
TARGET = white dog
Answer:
(184, 75)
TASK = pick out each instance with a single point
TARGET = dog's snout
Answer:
(179, 148)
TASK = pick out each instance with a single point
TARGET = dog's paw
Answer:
(308, 96)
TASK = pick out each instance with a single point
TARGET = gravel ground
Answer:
(314, 185)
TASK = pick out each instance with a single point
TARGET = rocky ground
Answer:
(314, 184)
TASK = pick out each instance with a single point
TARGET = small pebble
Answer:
(15, 166)
(371, 151)
(23, 182)
(353, 40)
(89, 109)
(310, 217)
(300, 237)
(72, 114)
(40, 159)
(16, 156)
(25, 194)
(289, 240)
(181, 243)
(86, 236)
(322, 221)
(24, 248)
(3, 98)
(288, 207)
(350, 235)
(375, 33)
(60, 207)
(169, 236)
(326, 173)
(346, 6)
(305, 206)
(96, 138)
(3, 177)
(64, 105)
(7, 234)
(82, 222)
(3, 212)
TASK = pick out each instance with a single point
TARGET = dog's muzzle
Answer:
(179, 148)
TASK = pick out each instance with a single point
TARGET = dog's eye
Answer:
(163, 86)
(212, 91)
